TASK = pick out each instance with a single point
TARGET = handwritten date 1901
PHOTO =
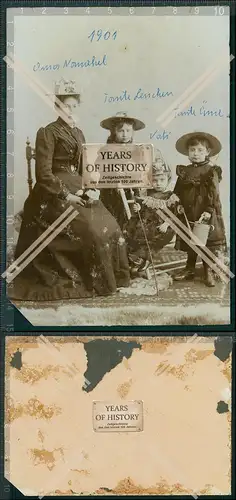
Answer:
(102, 35)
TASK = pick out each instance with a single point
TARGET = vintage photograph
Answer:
(121, 167)
(151, 416)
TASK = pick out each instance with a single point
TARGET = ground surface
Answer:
(176, 303)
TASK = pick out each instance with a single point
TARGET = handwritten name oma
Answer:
(116, 167)
(117, 416)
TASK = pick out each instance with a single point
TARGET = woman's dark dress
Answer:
(197, 187)
(137, 246)
(89, 256)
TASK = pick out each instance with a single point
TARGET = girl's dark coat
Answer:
(197, 187)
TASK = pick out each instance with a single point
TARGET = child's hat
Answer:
(183, 142)
(120, 117)
(160, 166)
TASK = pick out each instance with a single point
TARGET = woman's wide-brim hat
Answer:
(65, 87)
(183, 142)
(112, 121)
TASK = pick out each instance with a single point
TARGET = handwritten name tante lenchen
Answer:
(93, 62)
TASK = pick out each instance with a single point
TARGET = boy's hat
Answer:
(160, 166)
(112, 121)
(214, 144)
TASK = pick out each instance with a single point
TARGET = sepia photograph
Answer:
(121, 169)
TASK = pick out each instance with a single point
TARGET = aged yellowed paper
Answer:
(183, 447)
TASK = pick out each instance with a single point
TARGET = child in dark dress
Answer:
(197, 187)
(122, 128)
(158, 232)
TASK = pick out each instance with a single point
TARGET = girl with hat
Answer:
(158, 233)
(122, 128)
(88, 256)
(197, 187)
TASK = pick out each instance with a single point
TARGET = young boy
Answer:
(197, 187)
(158, 232)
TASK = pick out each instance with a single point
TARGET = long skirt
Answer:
(88, 257)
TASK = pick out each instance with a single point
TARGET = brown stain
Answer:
(193, 355)
(34, 408)
(13, 412)
(203, 354)
(63, 493)
(229, 422)
(32, 375)
(227, 369)
(123, 389)
(45, 457)
(40, 436)
(147, 344)
(128, 487)
(84, 472)
(21, 343)
(180, 371)
(24, 342)
(155, 345)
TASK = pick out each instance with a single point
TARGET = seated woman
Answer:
(88, 256)
(122, 128)
(158, 232)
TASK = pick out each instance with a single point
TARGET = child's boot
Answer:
(209, 276)
(188, 273)
(144, 270)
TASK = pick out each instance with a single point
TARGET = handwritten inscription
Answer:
(204, 110)
(102, 35)
(139, 94)
(70, 63)
(160, 135)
